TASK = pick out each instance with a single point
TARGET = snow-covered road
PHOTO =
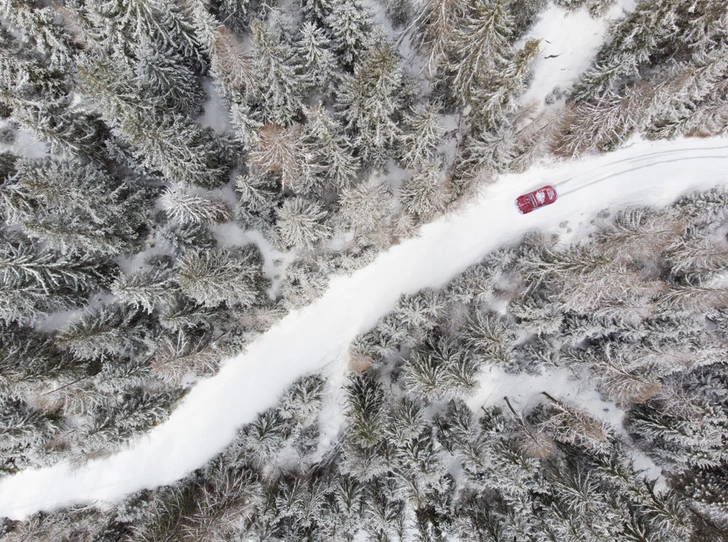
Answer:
(652, 173)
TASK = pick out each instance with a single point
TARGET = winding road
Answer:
(645, 173)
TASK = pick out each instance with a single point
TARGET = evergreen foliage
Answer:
(120, 281)
(220, 276)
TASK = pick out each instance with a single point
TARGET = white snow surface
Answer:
(216, 114)
(645, 173)
(570, 40)
(24, 143)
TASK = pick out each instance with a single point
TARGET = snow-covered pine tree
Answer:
(74, 207)
(332, 154)
(350, 25)
(369, 100)
(256, 206)
(235, 13)
(301, 224)
(316, 59)
(118, 24)
(106, 330)
(282, 151)
(162, 73)
(166, 141)
(275, 71)
(366, 410)
(421, 134)
(25, 431)
(426, 193)
(364, 208)
(231, 66)
(480, 50)
(213, 277)
(186, 207)
(35, 280)
(316, 11)
(145, 289)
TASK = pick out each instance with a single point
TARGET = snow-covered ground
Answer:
(645, 173)
(569, 42)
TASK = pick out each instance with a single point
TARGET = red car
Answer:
(545, 195)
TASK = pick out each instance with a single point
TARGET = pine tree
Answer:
(187, 208)
(422, 132)
(74, 207)
(525, 14)
(163, 74)
(488, 335)
(39, 26)
(30, 360)
(39, 94)
(316, 59)
(571, 425)
(281, 151)
(302, 401)
(257, 201)
(119, 418)
(144, 289)
(366, 410)
(231, 66)
(116, 24)
(180, 238)
(369, 100)
(235, 13)
(220, 276)
(350, 26)
(316, 11)
(166, 141)
(426, 193)
(301, 224)
(490, 151)
(265, 436)
(34, 280)
(25, 430)
(480, 49)
(246, 123)
(274, 69)
(365, 207)
(99, 331)
(332, 156)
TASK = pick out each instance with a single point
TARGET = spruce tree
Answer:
(316, 59)
(369, 100)
(187, 208)
(220, 276)
(301, 224)
(74, 207)
(350, 26)
(426, 193)
(275, 72)
(332, 155)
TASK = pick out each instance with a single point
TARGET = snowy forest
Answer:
(178, 175)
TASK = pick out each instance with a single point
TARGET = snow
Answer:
(217, 114)
(570, 40)
(332, 416)
(24, 143)
(646, 173)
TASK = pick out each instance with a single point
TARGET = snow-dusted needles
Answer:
(646, 173)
